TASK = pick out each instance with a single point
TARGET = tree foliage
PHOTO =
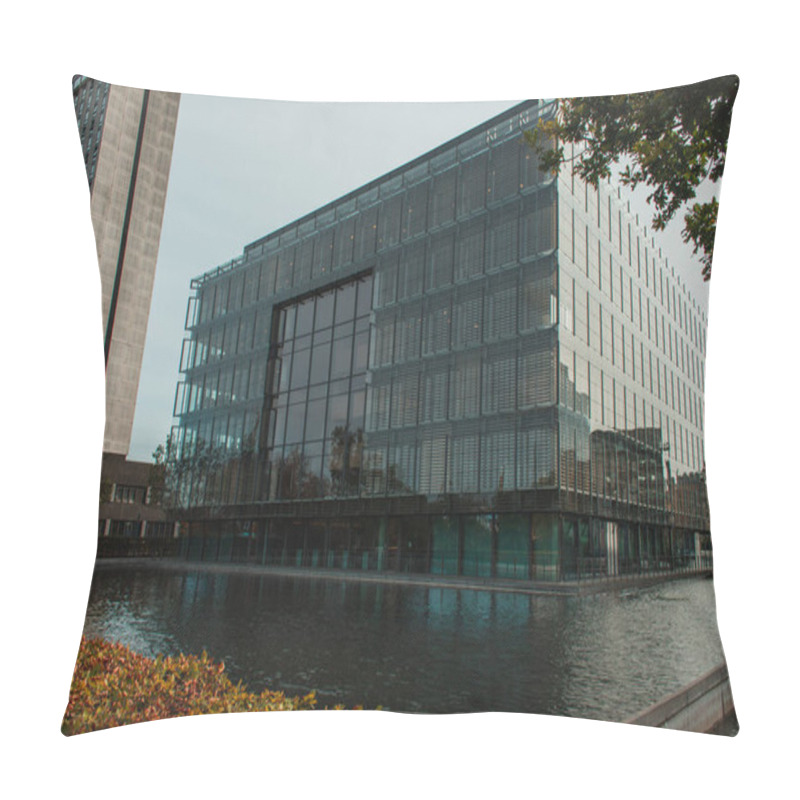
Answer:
(185, 479)
(112, 686)
(672, 139)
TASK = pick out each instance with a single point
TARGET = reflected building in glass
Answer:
(466, 367)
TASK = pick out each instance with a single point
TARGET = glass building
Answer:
(466, 367)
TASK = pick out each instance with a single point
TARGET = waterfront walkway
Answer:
(513, 585)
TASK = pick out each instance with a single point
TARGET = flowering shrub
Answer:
(114, 686)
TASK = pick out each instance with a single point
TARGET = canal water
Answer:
(419, 649)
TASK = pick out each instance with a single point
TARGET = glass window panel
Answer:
(465, 388)
(364, 305)
(432, 455)
(285, 268)
(472, 185)
(467, 320)
(323, 253)
(360, 352)
(339, 387)
(440, 262)
(434, 394)
(323, 336)
(341, 357)
(462, 471)
(305, 318)
(500, 317)
(324, 311)
(246, 330)
(504, 173)
(383, 341)
(538, 230)
(408, 334)
(443, 198)
(415, 213)
(536, 458)
(258, 377)
(411, 272)
(294, 423)
(310, 483)
(536, 379)
(315, 392)
(320, 362)
(357, 403)
(300, 366)
(497, 461)
(538, 299)
(366, 233)
(315, 420)
(436, 336)
(503, 248)
(470, 252)
(389, 222)
(499, 384)
(345, 302)
(298, 396)
(337, 413)
(386, 278)
(230, 339)
(304, 261)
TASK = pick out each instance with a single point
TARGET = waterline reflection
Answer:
(421, 649)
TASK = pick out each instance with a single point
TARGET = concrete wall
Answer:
(110, 194)
(701, 706)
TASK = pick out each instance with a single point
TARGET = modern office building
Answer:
(465, 367)
(126, 137)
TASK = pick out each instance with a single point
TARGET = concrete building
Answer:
(126, 137)
(132, 520)
(465, 367)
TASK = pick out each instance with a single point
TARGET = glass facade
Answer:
(466, 367)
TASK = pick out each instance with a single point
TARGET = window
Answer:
(128, 494)
(472, 185)
(443, 198)
(536, 379)
(320, 392)
(467, 319)
(500, 309)
(469, 252)
(436, 333)
(465, 385)
(538, 298)
(415, 213)
(503, 248)
(500, 384)
(411, 271)
(440, 262)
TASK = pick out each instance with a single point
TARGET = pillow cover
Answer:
(425, 410)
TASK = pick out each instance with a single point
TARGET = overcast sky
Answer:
(242, 168)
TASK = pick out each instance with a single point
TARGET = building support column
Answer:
(381, 549)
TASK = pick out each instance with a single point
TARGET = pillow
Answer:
(417, 422)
